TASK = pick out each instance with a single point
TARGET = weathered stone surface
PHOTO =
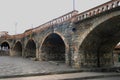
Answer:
(83, 43)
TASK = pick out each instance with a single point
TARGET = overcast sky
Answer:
(26, 14)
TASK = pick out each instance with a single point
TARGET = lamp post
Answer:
(16, 27)
(73, 5)
(31, 31)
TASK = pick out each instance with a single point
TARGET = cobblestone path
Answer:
(20, 66)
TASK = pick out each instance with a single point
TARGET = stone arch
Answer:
(17, 49)
(30, 49)
(5, 48)
(97, 47)
(118, 3)
(54, 47)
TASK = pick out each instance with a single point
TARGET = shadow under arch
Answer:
(97, 48)
(5, 48)
(54, 48)
(17, 49)
(30, 49)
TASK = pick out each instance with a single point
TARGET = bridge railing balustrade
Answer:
(74, 14)
(48, 24)
(58, 20)
(99, 9)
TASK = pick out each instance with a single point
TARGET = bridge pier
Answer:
(68, 58)
(23, 52)
(15, 53)
(37, 53)
(11, 52)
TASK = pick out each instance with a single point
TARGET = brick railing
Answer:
(99, 9)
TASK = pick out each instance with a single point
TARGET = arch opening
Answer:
(4, 49)
(116, 55)
(97, 48)
(18, 49)
(118, 3)
(30, 49)
(53, 48)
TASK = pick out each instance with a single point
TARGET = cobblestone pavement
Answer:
(20, 66)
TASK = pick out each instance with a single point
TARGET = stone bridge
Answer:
(84, 39)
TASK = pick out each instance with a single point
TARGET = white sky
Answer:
(36, 12)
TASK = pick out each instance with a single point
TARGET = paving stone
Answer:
(18, 65)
